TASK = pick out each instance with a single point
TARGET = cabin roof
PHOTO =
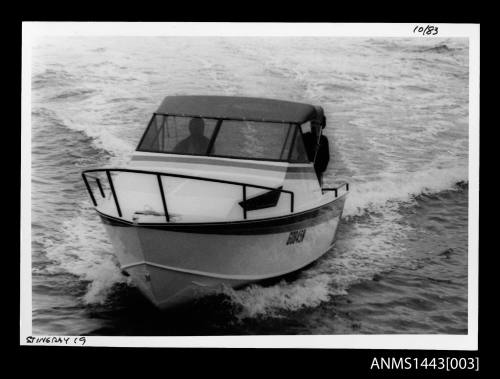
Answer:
(240, 108)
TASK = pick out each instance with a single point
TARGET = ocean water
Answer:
(397, 112)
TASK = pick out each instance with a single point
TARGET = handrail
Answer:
(98, 182)
(337, 188)
(108, 172)
(110, 180)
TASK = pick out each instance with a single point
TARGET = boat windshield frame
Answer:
(297, 128)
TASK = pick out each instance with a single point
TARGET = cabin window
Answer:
(248, 139)
(224, 138)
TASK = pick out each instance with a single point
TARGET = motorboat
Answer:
(220, 192)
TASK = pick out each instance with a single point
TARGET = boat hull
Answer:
(176, 262)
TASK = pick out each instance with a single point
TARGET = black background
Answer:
(179, 363)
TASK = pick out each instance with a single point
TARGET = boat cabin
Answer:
(231, 127)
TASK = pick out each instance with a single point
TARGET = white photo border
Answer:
(33, 31)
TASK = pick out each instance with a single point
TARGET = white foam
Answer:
(107, 138)
(84, 251)
(401, 187)
(256, 300)
(103, 137)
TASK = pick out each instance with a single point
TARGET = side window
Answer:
(299, 154)
(153, 139)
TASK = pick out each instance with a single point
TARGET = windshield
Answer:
(224, 138)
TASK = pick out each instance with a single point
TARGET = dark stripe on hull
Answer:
(251, 227)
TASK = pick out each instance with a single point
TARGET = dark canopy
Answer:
(240, 108)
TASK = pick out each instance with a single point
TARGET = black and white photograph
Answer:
(212, 180)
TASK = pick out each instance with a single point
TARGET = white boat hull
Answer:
(177, 262)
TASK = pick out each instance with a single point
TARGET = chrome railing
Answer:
(323, 190)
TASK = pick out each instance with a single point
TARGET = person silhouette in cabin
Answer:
(318, 151)
(196, 143)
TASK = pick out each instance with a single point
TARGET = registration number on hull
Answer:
(296, 236)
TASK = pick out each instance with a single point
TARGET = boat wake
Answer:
(396, 188)
(84, 250)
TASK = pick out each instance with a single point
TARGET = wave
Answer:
(101, 138)
(441, 48)
(128, 99)
(335, 88)
(90, 136)
(51, 77)
(84, 251)
(74, 94)
(401, 187)
(222, 80)
(417, 88)
(255, 300)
